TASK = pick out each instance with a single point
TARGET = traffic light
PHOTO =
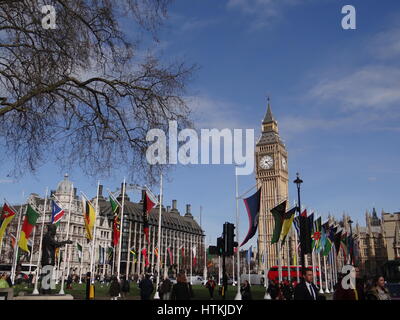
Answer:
(220, 246)
(229, 237)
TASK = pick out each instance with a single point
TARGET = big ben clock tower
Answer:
(272, 176)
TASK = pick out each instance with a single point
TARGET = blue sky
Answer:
(334, 92)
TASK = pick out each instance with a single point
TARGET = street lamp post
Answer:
(298, 183)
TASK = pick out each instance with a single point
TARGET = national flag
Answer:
(287, 223)
(337, 239)
(144, 253)
(56, 213)
(148, 204)
(170, 260)
(27, 227)
(101, 255)
(279, 214)
(252, 204)
(343, 245)
(13, 240)
(305, 233)
(89, 215)
(194, 255)
(316, 234)
(296, 224)
(134, 255)
(110, 254)
(6, 216)
(116, 222)
(79, 251)
(249, 254)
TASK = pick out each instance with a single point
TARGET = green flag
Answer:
(279, 214)
(79, 247)
(114, 205)
(316, 234)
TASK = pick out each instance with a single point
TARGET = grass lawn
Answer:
(101, 292)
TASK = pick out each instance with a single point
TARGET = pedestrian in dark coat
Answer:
(165, 289)
(125, 288)
(182, 290)
(306, 290)
(146, 288)
(115, 288)
(210, 285)
(245, 291)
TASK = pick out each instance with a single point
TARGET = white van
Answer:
(254, 278)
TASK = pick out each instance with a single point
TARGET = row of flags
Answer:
(30, 221)
(313, 234)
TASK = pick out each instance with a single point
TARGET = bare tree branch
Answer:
(81, 94)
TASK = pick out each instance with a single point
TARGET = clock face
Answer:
(266, 162)
(284, 163)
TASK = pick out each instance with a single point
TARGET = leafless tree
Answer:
(83, 94)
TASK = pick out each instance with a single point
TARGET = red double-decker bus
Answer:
(273, 273)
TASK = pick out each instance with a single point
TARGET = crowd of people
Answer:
(364, 289)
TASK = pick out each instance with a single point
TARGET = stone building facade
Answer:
(177, 232)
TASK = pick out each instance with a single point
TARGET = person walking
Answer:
(245, 291)
(273, 290)
(115, 288)
(378, 291)
(146, 288)
(125, 288)
(182, 290)
(165, 289)
(210, 285)
(306, 290)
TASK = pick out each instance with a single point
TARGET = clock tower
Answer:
(272, 176)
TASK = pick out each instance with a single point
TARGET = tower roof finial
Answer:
(268, 116)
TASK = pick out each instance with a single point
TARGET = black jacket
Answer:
(182, 291)
(146, 289)
(302, 293)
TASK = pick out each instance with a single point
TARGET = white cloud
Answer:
(214, 113)
(263, 11)
(386, 44)
(371, 87)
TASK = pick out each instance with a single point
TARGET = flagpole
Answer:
(157, 296)
(66, 238)
(139, 263)
(33, 246)
(326, 278)
(288, 259)
(313, 265)
(191, 257)
(297, 255)
(18, 234)
(113, 261)
(39, 263)
(321, 290)
(129, 251)
(58, 265)
(122, 228)
(238, 294)
(92, 258)
(80, 267)
(249, 252)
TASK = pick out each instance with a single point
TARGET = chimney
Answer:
(168, 208)
(174, 205)
(75, 190)
(188, 207)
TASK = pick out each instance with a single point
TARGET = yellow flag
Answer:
(287, 223)
(89, 215)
